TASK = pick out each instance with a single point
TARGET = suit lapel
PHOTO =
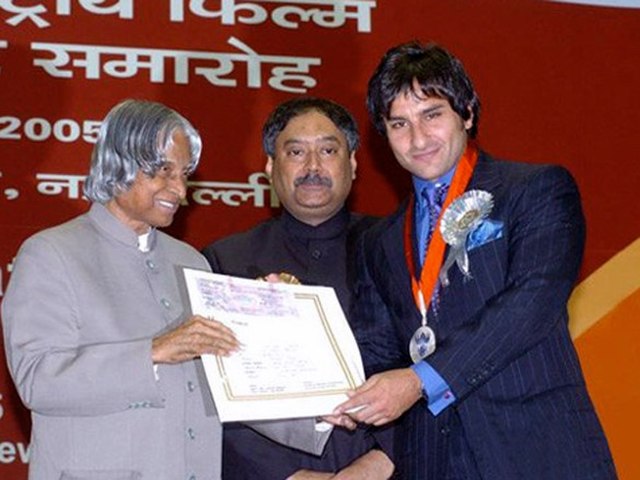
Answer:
(454, 301)
(392, 244)
(398, 294)
(398, 284)
(484, 176)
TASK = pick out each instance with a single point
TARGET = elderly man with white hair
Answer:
(98, 336)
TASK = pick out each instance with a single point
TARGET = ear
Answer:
(354, 165)
(468, 123)
(268, 168)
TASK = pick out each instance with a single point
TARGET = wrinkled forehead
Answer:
(177, 149)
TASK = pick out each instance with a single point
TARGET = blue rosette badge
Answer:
(462, 217)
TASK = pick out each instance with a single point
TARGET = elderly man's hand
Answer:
(191, 339)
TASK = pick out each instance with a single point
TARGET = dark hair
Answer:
(438, 73)
(134, 136)
(283, 113)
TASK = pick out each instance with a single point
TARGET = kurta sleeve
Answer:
(54, 373)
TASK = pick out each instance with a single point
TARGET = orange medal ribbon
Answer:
(423, 288)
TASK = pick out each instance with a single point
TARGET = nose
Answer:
(178, 185)
(313, 161)
(419, 136)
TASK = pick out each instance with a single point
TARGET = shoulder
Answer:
(180, 252)
(243, 241)
(381, 231)
(379, 226)
(517, 173)
(231, 253)
(527, 193)
(359, 222)
(71, 234)
(174, 244)
(55, 250)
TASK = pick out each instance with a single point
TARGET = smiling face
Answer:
(312, 169)
(426, 136)
(153, 201)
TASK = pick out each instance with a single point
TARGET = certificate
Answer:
(298, 354)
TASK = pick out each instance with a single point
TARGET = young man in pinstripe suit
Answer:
(461, 306)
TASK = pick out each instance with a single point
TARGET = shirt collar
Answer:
(331, 228)
(420, 183)
(111, 226)
(146, 241)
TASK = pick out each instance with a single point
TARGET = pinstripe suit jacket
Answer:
(522, 410)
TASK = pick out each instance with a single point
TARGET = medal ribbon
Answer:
(422, 288)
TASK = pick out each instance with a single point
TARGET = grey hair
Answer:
(134, 136)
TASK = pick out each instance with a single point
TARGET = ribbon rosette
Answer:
(462, 217)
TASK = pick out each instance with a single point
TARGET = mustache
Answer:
(313, 179)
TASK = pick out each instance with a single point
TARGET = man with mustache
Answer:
(310, 145)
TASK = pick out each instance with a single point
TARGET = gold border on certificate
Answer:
(299, 355)
(220, 361)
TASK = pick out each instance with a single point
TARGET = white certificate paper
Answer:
(298, 356)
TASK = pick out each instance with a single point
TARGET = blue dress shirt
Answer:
(436, 389)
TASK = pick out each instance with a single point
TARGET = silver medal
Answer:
(422, 344)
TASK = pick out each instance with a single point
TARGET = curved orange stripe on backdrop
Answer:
(604, 289)
(603, 320)
(610, 356)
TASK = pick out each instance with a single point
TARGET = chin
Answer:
(163, 223)
(316, 200)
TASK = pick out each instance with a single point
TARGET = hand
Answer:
(383, 398)
(282, 277)
(310, 475)
(272, 278)
(344, 421)
(373, 465)
(191, 339)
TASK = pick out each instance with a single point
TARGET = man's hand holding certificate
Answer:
(298, 355)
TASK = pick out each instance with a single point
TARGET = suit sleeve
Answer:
(370, 318)
(298, 433)
(209, 253)
(54, 374)
(544, 228)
